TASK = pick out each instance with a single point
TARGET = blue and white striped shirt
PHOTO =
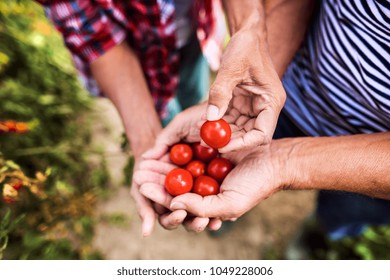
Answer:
(339, 81)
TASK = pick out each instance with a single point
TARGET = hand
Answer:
(147, 178)
(255, 106)
(255, 178)
(144, 206)
(155, 165)
(184, 127)
(151, 177)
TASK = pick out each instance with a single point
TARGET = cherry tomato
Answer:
(196, 168)
(178, 181)
(204, 154)
(205, 185)
(216, 134)
(180, 154)
(219, 168)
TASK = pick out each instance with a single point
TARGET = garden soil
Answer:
(260, 234)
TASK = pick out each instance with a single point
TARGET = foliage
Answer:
(61, 174)
(373, 244)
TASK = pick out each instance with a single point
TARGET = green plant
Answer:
(39, 87)
(373, 244)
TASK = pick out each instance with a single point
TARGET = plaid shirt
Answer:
(92, 27)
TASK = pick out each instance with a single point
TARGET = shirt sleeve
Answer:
(89, 30)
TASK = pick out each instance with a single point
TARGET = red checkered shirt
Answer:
(92, 27)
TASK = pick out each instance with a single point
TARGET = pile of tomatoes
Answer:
(201, 170)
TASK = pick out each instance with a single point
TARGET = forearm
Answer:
(358, 163)
(281, 24)
(119, 75)
(286, 23)
(245, 15)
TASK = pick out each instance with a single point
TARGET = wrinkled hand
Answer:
(255, 178)
(150, 177)
(247, 65)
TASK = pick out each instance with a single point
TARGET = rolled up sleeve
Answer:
(89, 29)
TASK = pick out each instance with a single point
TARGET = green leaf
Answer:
(12, 165)
(5, 221)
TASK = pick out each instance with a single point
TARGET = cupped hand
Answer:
(255, 178)
(252, 120)
(150, 176)
(247, 91)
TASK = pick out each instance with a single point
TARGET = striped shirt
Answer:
(339, 81)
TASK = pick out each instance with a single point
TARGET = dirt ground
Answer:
(265, 229)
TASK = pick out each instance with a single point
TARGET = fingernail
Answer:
(212, 113)
(177, 206)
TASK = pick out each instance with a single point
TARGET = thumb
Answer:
(164, 140)
(220, 94)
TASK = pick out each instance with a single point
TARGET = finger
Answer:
(157, 166)
(220, 94)
(156, 152)
(159, 209)
(145, 211)
(203, 143)
(211, 206)
(232, 115)
(145, 176)
(196, 224)
(266, 122)
(200, 123)
(165, 158)
(248, 140)
(173, 219)
(165, 139)
(214, 224)
(156, 193)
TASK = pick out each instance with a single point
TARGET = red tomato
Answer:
(178, 181)
(219, 168)
(205, 185)
(180, 154)
(204, 154)
(216, 134)
(196, 168)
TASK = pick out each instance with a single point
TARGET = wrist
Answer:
(244, 15)
(286, 163)
(253, 23)
(141, 141)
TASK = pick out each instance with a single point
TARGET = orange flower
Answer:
(11, 125)
(21, 127)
